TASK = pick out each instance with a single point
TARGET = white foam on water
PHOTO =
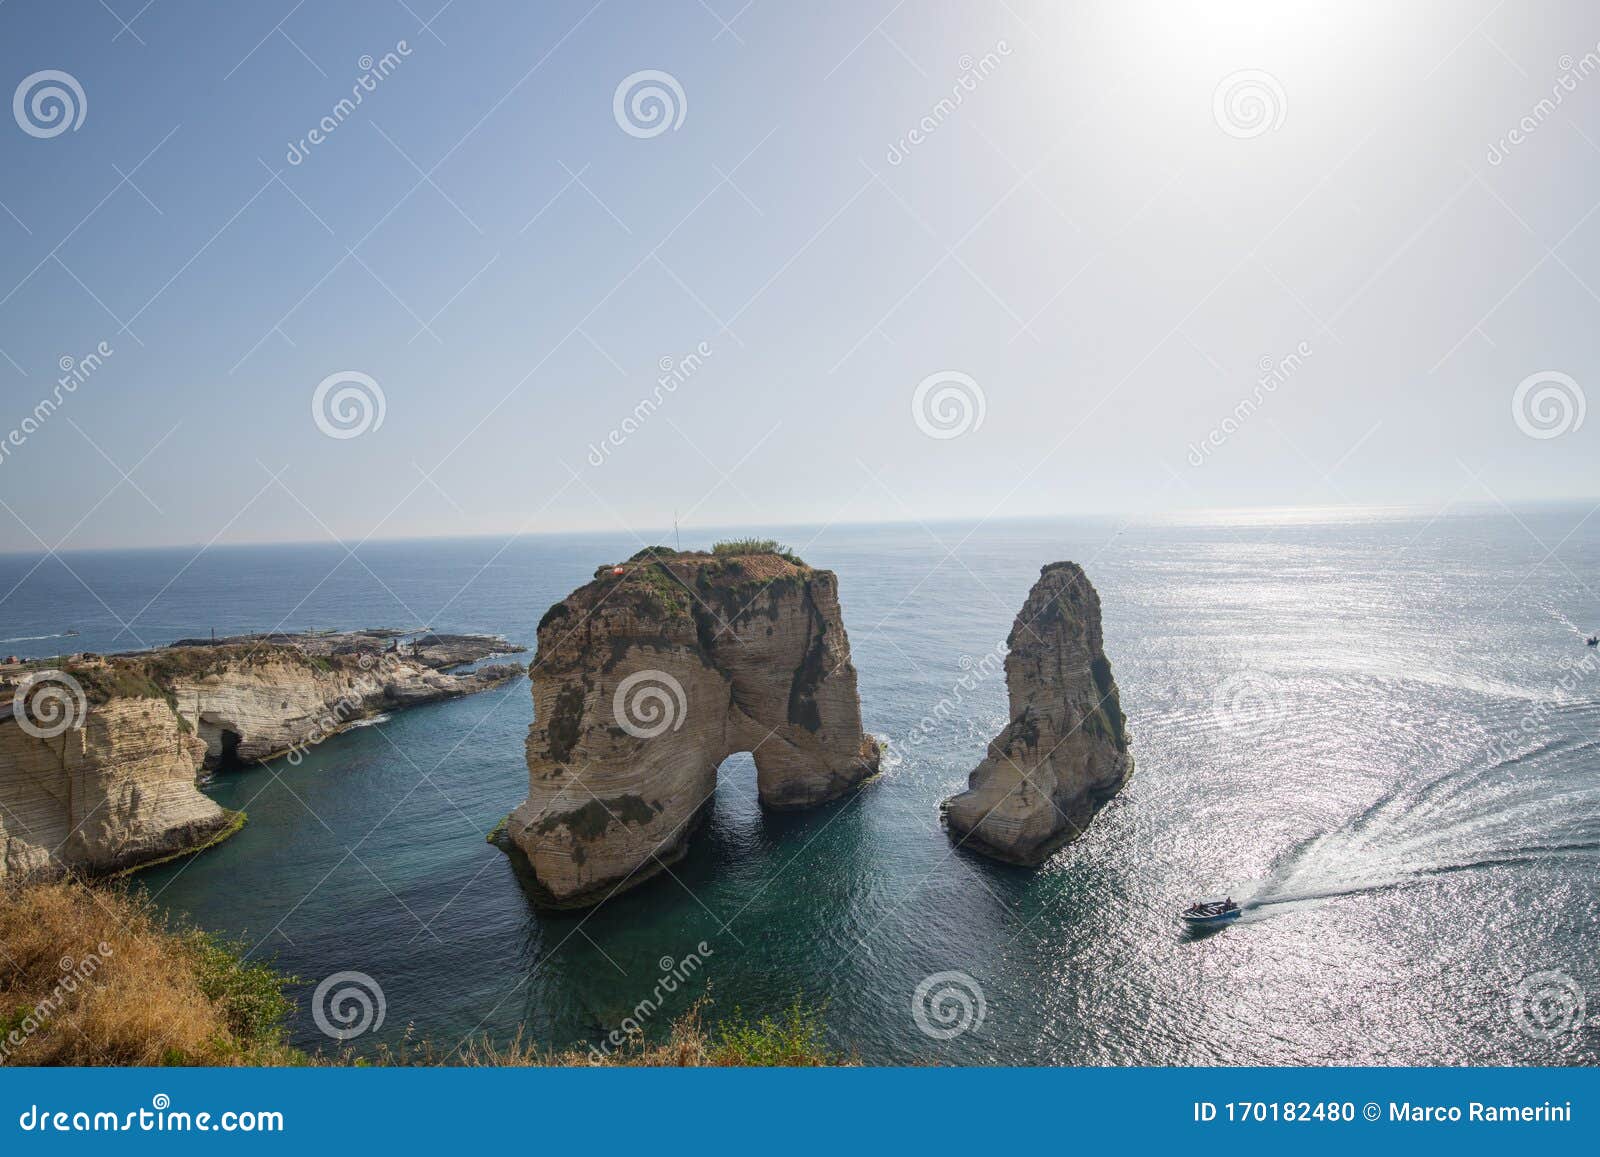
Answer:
(1516, 810)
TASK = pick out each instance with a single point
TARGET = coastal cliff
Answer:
(100, 758)
(116, 791)
(1065, 751)
(250, 700)
(651, 675)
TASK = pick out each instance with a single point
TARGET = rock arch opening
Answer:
(652, 678)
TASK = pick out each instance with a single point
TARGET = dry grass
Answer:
(93, 977)
(792, 1040)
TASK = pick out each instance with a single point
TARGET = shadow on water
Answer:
(731, 829)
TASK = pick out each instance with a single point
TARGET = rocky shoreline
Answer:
(101, 756)
(646, 679)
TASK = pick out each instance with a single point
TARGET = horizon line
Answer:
(1131, 517)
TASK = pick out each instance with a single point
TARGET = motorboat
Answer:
(1206, 913)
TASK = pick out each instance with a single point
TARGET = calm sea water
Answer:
(1372, 723)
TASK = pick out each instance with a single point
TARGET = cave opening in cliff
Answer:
(222, 745)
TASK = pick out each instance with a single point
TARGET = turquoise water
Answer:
(1376, 724)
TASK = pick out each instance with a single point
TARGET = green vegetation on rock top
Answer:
(735, 546)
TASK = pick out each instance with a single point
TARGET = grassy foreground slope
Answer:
(95, 976)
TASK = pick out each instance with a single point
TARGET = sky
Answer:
(916, 260)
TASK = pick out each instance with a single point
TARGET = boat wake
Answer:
(1538, 806)
(39, 638)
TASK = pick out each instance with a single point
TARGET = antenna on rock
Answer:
(677, 543)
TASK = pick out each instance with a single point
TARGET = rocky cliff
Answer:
(647, 678)
(1065, 751)
(113, 792)
(99, 760)
(250, 701)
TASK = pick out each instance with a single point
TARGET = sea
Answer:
(1376, 728)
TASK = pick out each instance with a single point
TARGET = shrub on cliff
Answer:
(737, 546)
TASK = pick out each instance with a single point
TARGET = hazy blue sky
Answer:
(1104, 243)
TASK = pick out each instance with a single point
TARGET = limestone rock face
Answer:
(117, 791)
(1065, 751)
(109, 780)
(250, 702)
(647, 679)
